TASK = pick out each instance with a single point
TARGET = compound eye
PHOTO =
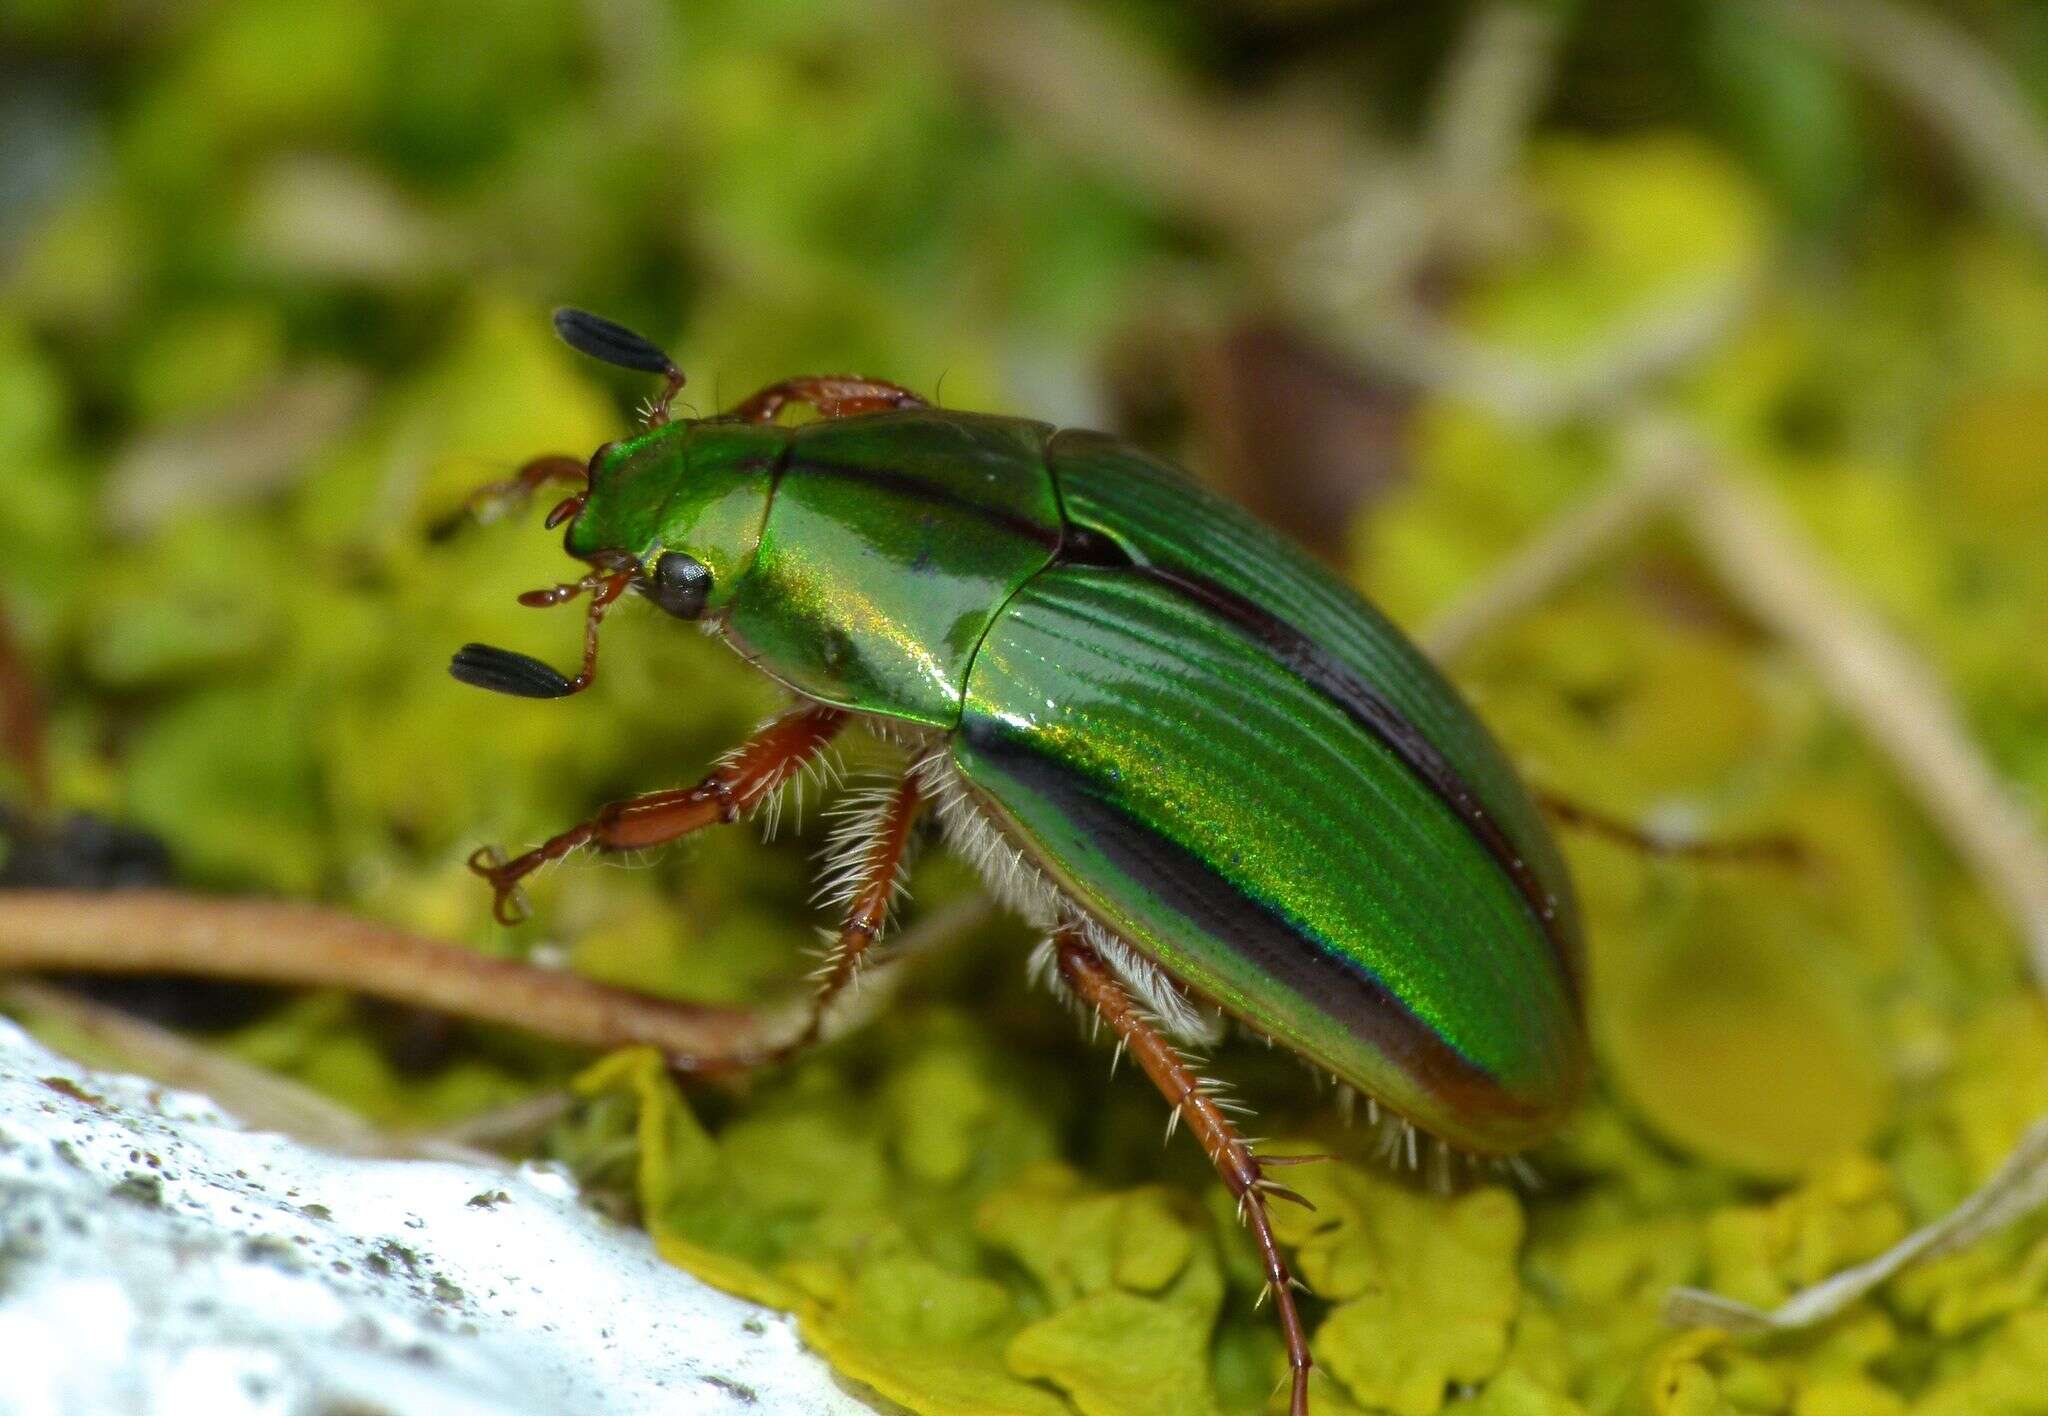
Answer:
(680, 584)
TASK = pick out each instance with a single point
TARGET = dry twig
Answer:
(272, 942)
(1491, 90)
(1258, 173)
(1659, 468)
(1766, 564)
(2019, 1187)
(1953, 82)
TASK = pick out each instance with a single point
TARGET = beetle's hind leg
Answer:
(748, 775)
(1775, 850)
(1088, 975)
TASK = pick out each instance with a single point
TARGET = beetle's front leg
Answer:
(749, 774)
(495, 499)
(832, 395)
(1084, 971)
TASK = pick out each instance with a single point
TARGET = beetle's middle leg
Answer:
(747, 776)
(1089, 976)
(875, 883)
(874, 879)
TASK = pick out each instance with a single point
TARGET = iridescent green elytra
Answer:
(1208, 769)
(1189, 732)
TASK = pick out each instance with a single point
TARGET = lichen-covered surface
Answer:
(157, 1258)
(273, 298)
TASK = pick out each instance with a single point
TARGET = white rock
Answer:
(157, 1258)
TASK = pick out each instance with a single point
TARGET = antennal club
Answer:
(614, 344)
(498, 670)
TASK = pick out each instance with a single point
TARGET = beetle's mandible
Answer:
(1216, 777)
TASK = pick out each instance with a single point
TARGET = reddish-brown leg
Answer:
(495, 499)
(867, 909)
(1763, 850)
(658, 407)
(832, 395)
(603, 591)
(1091, 980)
(729, 791)
(21, 720)
(875, 879)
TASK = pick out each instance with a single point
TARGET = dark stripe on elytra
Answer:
(1331, 677)
(1371, 710)
(1211, 903)
(914, 488)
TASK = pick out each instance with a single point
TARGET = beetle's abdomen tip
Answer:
(1493, 1118)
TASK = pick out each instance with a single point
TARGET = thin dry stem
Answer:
(1409, 342)
(1660, 468)
(1766, 563)
(1960, 88)
(2019, 1187)
(1488, 96)
(273, 942)
(1259, 173)
(510, 1127)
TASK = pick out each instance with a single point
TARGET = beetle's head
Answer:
(679, 508)
(673, 513)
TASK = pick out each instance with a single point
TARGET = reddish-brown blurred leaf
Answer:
(21, 723)
(1296, 433)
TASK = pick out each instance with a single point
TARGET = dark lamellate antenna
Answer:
(600, 339)
(503, 671)
(614, 344)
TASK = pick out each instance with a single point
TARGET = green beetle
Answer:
(1220, 781)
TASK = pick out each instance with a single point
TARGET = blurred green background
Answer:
(1413, 281)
